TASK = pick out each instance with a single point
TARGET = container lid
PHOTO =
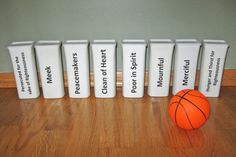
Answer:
(22, 43)
(212, 41)
(133, 41)
(71, 42)
(187, 41)
(47, 42)
(161, 41)
(103, 42)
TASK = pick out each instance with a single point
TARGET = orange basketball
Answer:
(189, 109)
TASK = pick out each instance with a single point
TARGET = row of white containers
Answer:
(161, 51)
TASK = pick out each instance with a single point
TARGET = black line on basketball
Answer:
(184, 91)
(178, 104)
(196, 96)
(193, 105)
(174, 102)
(187, 115)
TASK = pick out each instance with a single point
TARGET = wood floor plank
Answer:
(116, 127)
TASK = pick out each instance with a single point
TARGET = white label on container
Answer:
(23, 74)
(160, 66)
(76, 73)
(49, 74)
(133, 72)
(104, 71)
(186, 72)
(213, 80)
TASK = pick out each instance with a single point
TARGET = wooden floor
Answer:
(111, 127)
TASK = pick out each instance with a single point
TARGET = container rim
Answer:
(47, 42)
(133, 41)
(103, 41)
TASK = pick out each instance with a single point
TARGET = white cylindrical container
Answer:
(23, 60)
(77, 64)
(104, 67)
(134, 52)
(50, 67)
(160, 59)
(212, 66)
(185, 64)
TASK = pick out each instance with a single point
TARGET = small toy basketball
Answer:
(189, 109)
